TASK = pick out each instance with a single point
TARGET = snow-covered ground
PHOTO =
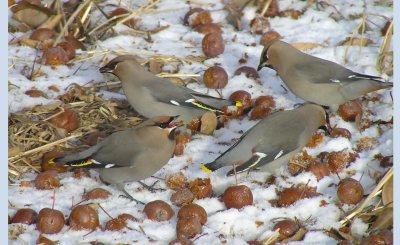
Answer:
(237, 226)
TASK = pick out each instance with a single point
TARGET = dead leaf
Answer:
(32, 15)
(355, 42)
(384, 220)
(306, 46)
(296, 237)
(51, 22)
(46, 108)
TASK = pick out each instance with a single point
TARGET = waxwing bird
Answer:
(273, 141)
(129, 155)
(316, 80)
(152, 96)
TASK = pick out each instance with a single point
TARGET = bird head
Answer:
(168, 124)
(264, 58)
(277, 54)
(120, 65)
(327, 126)
(318, 114)
(164, 122)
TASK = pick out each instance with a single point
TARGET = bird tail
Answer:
(378, 86)
(380, 80)
(246, 166)
(80, 163)
(211, 167)
(81, 159)
(367, 77)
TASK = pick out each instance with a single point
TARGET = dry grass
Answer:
(385, 60)
(30, 134)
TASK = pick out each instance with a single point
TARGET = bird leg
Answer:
(151, 187)
(285, 89)
(121, 186)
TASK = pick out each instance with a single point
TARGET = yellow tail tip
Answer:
(238, 104)
(205, 169)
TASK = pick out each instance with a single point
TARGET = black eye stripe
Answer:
(162, 125)
(112, 65)
(265, 54)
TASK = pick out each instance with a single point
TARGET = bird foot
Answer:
(151, 187)
(128, 196)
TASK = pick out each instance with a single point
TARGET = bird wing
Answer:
(324, 71)
(165, 92)
(216, 164)
(118, 150)
(269, 149)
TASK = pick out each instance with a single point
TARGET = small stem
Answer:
(105, 211)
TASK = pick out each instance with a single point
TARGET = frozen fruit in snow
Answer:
(83, 217)
(215, 77)
(193, 210)
(350, 191)
(238, 196)
(188, 227)
(213, 44)
(158, 211)
(50, 221)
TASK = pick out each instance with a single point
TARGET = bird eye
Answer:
(163, 125)
(112, 65)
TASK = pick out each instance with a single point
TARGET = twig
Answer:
(235, 173)
(40, 148)
(266, 6)
(33, 65)
(105, 211)
(30, 165)
(141, 9)
(54, 199)
(52, 116)
(70, 20)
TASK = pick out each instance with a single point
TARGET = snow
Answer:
(236, 226)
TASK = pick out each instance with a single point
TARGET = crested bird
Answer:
(273, 141)
(317, 80)
(129, 155)
(153, 96)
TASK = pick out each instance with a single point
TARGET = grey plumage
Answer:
(129, 155)
(152, 96)
(273, 141)
(317, 80)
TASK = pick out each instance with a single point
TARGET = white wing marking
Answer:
(278, 155)
(174, 102)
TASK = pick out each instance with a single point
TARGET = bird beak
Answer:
(264, 64)
(172, 118)
(106, 69)
(172, 125)
(327, 127)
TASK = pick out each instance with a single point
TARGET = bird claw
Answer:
(127, 196)
(151, 187)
